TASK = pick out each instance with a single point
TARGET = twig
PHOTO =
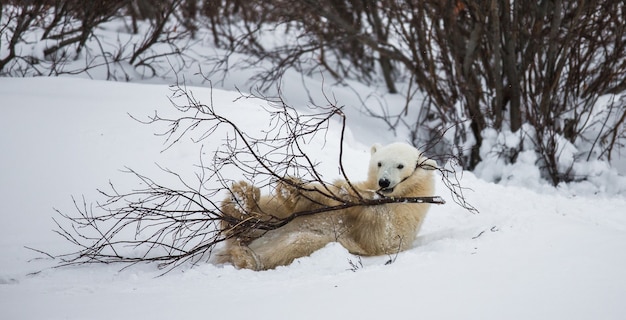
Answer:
(174, 226)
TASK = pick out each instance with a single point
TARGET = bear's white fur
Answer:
(395, 170)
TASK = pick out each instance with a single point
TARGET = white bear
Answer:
(395, 170)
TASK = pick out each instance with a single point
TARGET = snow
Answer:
(533, 251)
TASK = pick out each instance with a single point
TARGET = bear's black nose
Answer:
(384, 183)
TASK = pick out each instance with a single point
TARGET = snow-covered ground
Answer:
(533, 252)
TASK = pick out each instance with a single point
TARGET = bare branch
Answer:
(183, 225)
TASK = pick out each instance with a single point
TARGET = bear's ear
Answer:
(428, 164)
(375, 147)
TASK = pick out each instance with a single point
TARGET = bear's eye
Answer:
(400, 166)
(379, 164)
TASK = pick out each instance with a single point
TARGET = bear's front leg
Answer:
(354, 192)
(288, 190)
(244, 198)
(239, 207)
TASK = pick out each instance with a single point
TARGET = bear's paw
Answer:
(244, 197)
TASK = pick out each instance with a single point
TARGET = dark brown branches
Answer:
(349, 204)
(152, 224)
(181, 223)
(470, 65)
(72, 30)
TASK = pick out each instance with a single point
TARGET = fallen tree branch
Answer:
(174, 226)
(361, 203)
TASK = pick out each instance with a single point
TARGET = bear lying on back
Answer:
(395, 170)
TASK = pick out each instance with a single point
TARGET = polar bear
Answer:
(395, 170)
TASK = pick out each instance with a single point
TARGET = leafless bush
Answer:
(65, 27)
(182, 224)
(499, 64)
(471, 65)
(495, 64)
(15, 23)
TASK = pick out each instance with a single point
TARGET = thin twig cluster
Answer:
(174, 226)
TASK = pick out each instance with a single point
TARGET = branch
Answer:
(361, 203)
(174, 226)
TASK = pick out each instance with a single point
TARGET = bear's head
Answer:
(400, 170)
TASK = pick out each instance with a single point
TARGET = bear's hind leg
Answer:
(241, 257)
(278, 249)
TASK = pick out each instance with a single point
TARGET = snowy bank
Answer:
(541, 254)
